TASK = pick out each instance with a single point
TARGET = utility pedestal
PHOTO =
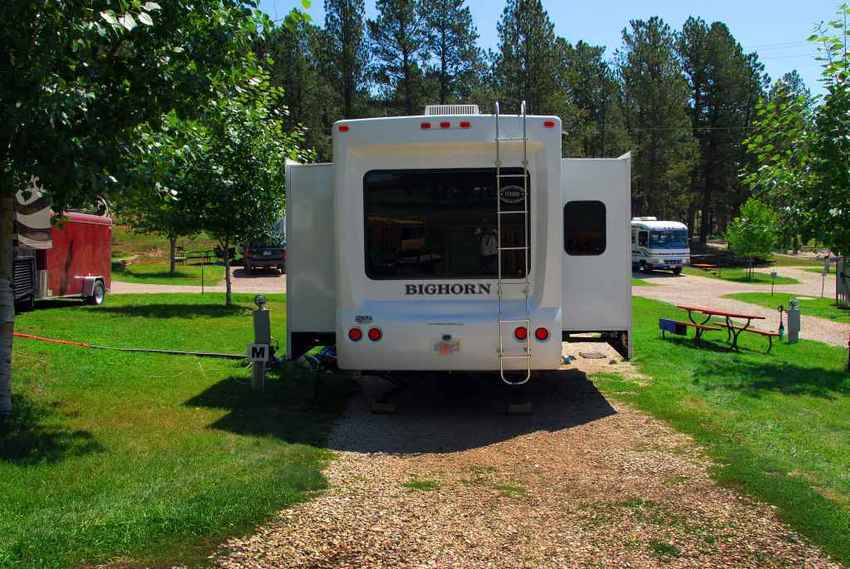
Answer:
(260, 350)
(794, 321)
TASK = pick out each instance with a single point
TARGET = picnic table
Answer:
(733, 328)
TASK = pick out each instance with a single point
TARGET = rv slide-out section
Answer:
(596, 276)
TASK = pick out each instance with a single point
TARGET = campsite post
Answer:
(260, 350)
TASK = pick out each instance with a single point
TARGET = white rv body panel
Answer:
(645, 256)
(597, 289)
(310, 279)
(412, 325)
(328, 265)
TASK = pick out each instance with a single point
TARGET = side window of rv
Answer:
(584, 228)
(643, 238)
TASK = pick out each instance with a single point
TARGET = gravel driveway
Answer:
(704, 291)
(269, 282)
(451, 481)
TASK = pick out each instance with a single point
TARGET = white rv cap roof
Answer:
(661, 225)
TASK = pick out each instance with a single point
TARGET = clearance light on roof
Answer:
(343, 128)
(549, 124)
(465, 124)
(445, 124)
(425, 125)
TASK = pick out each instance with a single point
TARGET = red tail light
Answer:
(549, 124)
(465, 124)
(445, 125)
(425, 125)
(355, 334)
(521, 333)
(343, 128)
(375, 334)
(542, 334)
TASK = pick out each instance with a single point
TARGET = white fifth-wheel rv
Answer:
(456, 241)
(659, 245)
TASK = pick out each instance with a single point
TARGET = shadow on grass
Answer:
(755, 378)
(175, 310)
(30, 436)
(436, 413)
(297, 407)
(708, 344)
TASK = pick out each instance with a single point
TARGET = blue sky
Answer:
(776, 29)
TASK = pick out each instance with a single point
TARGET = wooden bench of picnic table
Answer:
(699, 329)
(734, 329)
(769, 334)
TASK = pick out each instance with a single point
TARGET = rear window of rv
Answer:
(584, 228)
(442, 224)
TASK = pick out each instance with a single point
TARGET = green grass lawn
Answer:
(157, 273)
(149, 458)
(819, 270)
(794, 261)
(641, 282)
(128, 243)
(777, 425)
(739, 275)
(819, 307)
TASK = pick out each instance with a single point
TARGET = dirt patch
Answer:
(451, 481)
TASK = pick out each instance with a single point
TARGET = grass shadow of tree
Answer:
(296, 407)
(33, 435)
(183, 311)
(754, 378)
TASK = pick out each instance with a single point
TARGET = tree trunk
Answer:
(228, 297)
(7, 299)
(172, 257)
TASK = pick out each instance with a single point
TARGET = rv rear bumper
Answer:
(448, 343)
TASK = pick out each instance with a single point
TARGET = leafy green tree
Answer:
(451, 39)
(399, 44)
(655, 103)
(597, 128)
(527, 59)
(345, 36)
(223, 169)
(802, 153)
(76, 79)
(753, 233)
(725, 85)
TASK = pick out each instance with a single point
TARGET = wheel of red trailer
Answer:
(98, 294)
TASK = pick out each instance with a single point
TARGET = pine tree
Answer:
(655, 98)
(527, 59)
(346, 51)
(597, 128)
(451, 37)
(398, 44)
(296, 48)
(725, 85)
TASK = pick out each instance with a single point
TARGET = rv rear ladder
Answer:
(524, 246)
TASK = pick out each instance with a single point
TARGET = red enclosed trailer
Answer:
(69, 258)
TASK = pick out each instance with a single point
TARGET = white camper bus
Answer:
(659, 245)
(456, 241)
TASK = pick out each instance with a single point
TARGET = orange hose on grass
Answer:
(50, 340)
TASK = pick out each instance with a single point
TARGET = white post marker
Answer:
(260, 351)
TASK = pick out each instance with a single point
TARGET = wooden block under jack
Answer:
(383, 408)
(524, 408)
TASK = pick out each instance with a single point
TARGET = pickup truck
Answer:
(265, 256)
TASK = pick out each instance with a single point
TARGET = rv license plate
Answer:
(446, 348)
(267, 253)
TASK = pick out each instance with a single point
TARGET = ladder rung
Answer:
(512, 212)
(512, 139)
(512, 175)
(514, 357)
(513, 248)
